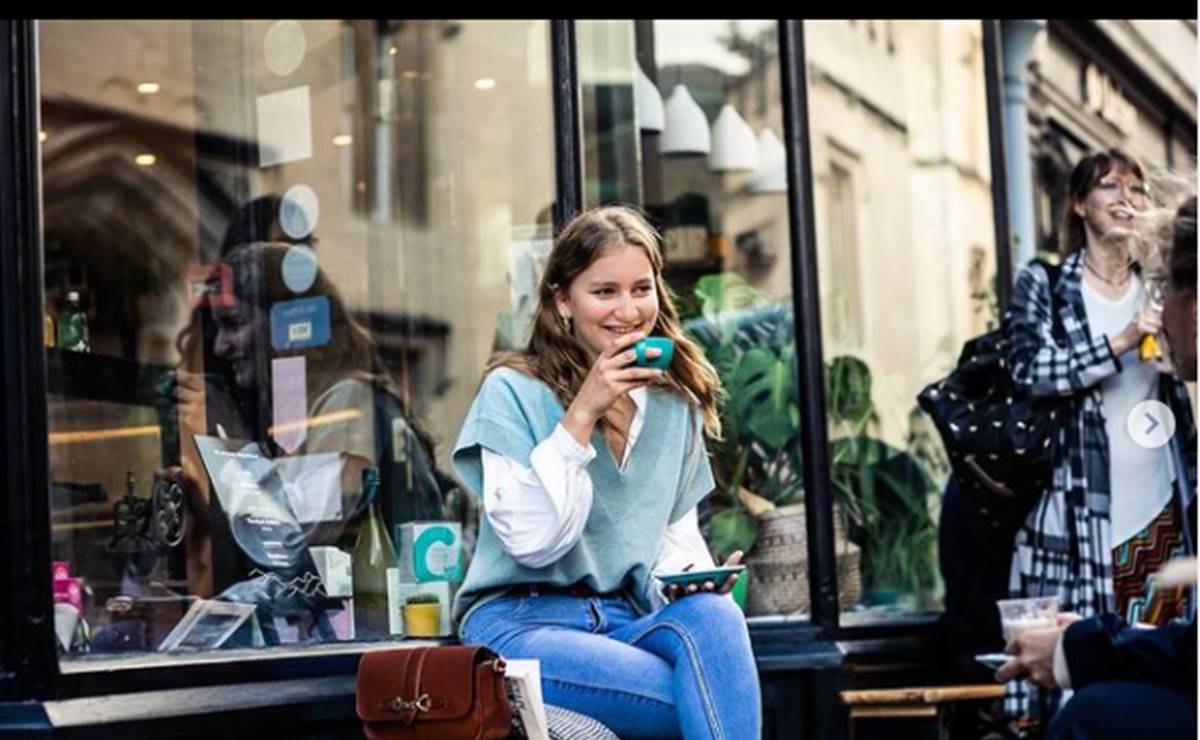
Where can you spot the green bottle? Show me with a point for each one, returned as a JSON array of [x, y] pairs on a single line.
[[373, 555], [72, 326]]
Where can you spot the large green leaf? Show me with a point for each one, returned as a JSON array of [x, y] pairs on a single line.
[[761, 391], [883, 490], [848, 390], [722, 296], [731, 529]]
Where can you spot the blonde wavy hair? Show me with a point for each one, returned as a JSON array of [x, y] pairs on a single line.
[[555, 356]]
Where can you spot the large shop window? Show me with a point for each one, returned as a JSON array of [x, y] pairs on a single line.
[[903, 204], [685, 120], [275, 252]]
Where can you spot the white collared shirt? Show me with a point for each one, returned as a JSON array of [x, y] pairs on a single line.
[[539, 512]]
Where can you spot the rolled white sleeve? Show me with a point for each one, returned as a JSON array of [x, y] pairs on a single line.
[[539, 512], [683, 545]]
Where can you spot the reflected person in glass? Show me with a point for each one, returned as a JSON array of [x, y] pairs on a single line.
[[347, 414], [590, 469]]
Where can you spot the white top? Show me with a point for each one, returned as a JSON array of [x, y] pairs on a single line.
[[539, 512], [1062, 671], [1140, 478]]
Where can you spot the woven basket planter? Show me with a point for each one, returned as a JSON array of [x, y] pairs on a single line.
[[778, 565]]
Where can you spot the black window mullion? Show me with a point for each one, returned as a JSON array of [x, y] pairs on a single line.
[[567, 148], [27, 633], [822, 572], [993, 83]]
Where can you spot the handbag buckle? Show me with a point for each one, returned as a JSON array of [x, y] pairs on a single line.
[[421, 704]]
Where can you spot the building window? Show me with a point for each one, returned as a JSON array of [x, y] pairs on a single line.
[[841, 278]]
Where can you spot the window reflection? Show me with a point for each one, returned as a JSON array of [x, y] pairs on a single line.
[[685, 119], [902, 195], [266, 224]]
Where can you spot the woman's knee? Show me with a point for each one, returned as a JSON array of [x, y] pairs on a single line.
[[711, 612]]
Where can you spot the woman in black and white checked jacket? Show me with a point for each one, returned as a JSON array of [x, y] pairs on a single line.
[[1113, 507]]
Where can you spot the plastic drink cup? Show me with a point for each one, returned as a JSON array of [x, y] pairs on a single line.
[[1018, 616]]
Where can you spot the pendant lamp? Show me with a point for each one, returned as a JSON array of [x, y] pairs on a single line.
[[733, 144], [649, 103], [685, 129], [772, 160]]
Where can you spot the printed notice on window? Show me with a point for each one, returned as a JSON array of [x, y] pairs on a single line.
[[284, 126]]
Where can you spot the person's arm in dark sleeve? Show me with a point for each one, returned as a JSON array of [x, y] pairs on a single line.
[[1104, 648]]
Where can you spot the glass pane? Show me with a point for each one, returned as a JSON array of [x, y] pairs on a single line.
[[903, 205], [255, 234], [685, 119]]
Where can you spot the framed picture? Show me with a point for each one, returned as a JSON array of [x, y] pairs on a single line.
[[206, 625]]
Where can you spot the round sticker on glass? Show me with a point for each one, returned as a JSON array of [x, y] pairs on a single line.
[[298, 211], [284, 47], [299, 268]]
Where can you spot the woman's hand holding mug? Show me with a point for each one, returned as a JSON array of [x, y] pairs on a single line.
[[612, 376]]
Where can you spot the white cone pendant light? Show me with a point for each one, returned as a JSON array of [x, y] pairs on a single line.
[[772, 159], [685, 129], [733, 144], [649, 103]]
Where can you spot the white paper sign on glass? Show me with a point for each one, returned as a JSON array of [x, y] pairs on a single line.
[[289, 401], [284, 126]]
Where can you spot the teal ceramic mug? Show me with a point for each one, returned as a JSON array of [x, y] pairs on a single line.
[[666, 345]]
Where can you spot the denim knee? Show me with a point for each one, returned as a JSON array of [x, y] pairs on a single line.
[[709, 612]]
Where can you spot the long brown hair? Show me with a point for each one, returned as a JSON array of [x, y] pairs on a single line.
[[556, 357], [1087, 174]]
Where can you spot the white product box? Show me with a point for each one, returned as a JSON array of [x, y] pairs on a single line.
[[430, 551]]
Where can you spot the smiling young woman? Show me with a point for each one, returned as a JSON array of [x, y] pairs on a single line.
[[590, 468], [1109, 516]]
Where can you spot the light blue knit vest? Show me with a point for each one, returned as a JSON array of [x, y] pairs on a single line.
[[666, 475]]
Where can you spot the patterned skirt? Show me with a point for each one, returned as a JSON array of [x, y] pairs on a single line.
[[1090, 576], [1138, 558]]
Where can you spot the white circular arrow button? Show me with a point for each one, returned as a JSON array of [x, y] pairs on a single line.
[[1151, 424]]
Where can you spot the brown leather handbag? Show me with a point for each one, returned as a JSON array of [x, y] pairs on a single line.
[[452, 692]]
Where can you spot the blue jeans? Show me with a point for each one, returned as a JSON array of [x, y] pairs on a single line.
[[686, 669]]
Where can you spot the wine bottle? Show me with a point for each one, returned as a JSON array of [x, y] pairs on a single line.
[[72, 326], [373, 555]]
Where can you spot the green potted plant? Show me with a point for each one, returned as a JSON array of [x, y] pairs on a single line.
[[880, 491], [757, 462], [758, 507], [422, 615]]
